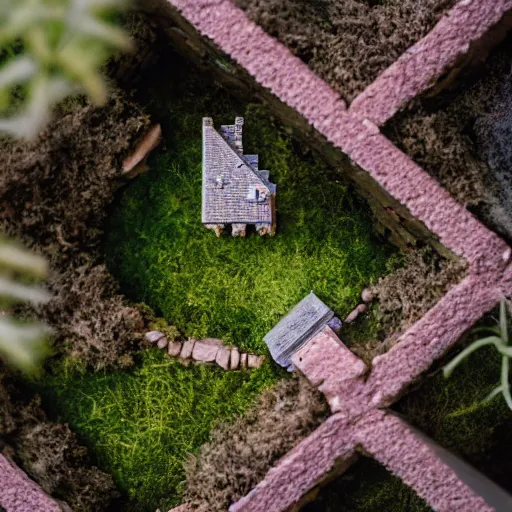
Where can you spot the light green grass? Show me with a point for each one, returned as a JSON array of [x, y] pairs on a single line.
[[142, 425]]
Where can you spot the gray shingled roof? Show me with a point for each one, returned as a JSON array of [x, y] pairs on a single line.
[[229, 177], [305, 320]]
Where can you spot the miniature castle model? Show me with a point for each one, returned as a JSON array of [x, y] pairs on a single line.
[[235, 191], [300, 325]]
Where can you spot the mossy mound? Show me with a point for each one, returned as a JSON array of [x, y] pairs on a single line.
[[143, 424], [461, 138], [238, 288], [239, 455]]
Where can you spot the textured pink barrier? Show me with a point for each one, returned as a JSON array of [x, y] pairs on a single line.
[[355, 132], [397, 447], [302, 468], [426, 61], [20, 494]]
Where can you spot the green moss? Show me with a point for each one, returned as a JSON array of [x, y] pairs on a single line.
[[367, 487], [235, 288], [142, 425]]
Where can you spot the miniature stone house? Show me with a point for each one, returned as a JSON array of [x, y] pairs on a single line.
[[309, 317], [235, 191]]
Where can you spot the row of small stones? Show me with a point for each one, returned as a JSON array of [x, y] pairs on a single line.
[[366, 296], [208, 350]]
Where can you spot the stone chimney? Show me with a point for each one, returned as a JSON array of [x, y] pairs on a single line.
[[239, 123]]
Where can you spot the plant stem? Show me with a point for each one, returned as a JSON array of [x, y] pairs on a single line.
[[491, 340]]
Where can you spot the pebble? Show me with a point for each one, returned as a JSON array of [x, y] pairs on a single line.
[[154, 336], [205, 351], [355, 313], [255, 361], [174, 348], [367, 295], [235, 359], [162, 342], [222, 357], [188, 347]]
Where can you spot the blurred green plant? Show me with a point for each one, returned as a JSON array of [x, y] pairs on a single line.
[[500, 339], [22, 345], [52, 49]]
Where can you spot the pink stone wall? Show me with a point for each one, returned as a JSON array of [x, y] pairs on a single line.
[[20, 494], [427, 60]]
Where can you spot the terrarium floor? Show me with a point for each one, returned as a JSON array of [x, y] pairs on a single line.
[[142, 424]]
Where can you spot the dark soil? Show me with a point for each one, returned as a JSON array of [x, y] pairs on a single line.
[[462, 138], [347, 42]]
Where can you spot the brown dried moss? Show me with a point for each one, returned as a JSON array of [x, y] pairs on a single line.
[[54, 193], [437, 143], [347, 42], [239, 455], [408, 293], [49, 452], [55, 190], [461, 139]]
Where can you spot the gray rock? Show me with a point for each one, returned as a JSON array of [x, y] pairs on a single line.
[[205, 351], [235, 359], [222, 357], [174, 348], [153, 336], [254, 361], [355, 313], [243, 360]]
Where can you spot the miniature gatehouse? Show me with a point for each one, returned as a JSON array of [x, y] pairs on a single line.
[[300, 325], [235, 191]]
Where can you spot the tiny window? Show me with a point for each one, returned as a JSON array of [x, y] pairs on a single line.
[[253, 194]]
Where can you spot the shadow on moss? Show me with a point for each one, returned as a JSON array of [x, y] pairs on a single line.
[[367, 487], [453, 412]]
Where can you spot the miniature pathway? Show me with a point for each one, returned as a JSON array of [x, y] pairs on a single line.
[[205, 351], [358, 396]]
